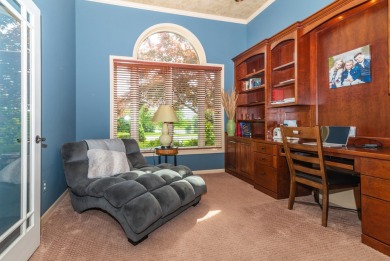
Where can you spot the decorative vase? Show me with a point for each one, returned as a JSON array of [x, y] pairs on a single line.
[[231, 128]]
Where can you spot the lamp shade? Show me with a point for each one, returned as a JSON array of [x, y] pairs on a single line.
[[165, 113]]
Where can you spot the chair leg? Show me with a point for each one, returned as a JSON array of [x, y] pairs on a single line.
[[291, 199], [325, 207], [358, 200]]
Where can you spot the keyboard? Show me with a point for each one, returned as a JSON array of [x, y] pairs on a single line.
[[325, 144]]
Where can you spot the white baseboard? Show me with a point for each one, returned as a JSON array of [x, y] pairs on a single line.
[[48, 212], [208, 171]]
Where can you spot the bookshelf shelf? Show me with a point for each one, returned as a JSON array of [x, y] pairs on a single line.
[[284, 83], [253, 75], [251, 72], [253, 89], [284, 66], [256, 103]]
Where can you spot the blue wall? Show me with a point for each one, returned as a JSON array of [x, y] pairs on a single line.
[[58, 91], [77, 39], [279, 15], [104, 30]]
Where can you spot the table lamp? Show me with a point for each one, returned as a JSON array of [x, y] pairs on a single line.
[[165, 114]]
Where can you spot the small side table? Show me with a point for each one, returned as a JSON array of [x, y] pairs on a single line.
[[173, 151]]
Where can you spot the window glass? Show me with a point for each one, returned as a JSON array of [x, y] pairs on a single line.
[[168, 47], [193, 91]]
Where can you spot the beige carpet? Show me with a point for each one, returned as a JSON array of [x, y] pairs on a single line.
[[232, 222]]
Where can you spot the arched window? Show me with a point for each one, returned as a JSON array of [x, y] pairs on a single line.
[[169, 67], [171, 41], [167, 47]]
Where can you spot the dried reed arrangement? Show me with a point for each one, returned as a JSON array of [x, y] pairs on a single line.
[[229, 103]]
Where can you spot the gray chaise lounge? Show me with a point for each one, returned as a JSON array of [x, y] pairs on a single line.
[[141, 199]]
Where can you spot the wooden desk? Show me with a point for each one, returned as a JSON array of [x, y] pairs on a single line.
[[373, 165], [167, 152], [374, 168]]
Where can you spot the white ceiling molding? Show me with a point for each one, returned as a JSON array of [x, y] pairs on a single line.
[[261, 9], [184, 12]]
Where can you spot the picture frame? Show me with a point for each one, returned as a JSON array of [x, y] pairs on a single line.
[[350, 68]]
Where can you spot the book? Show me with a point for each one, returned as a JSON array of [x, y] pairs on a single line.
[[254, 83], [277, 95], [245, 85], [246, 129]]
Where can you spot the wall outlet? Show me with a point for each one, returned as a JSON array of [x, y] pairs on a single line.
[[44, 185]]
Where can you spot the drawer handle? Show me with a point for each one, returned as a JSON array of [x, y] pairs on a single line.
[[262, 148], [262, 173], [262, 158]]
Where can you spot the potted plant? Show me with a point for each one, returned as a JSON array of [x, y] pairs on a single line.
[[229, 103]]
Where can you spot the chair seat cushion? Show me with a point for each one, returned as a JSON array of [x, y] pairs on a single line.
[[334, 178]]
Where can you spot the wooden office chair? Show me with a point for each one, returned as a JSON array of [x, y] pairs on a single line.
[[307, 166]]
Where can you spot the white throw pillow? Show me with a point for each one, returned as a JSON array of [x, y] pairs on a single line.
[[106, 163]]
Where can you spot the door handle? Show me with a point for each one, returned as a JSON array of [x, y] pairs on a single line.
[[20, 140], [39, 139]]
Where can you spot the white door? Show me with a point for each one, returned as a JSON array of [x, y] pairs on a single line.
[[20, 129]]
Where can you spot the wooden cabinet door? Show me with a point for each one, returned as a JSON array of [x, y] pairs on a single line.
[[245, 159], [375, 219], [230, 157]]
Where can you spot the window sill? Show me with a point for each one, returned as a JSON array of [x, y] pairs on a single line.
[[149, 153]]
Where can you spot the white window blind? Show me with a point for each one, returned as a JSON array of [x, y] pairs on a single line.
[[139, 87]]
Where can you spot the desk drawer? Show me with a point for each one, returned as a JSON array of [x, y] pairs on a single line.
[[375, 187], [375, 219], [265, 176], [265, 159], [265, 148], [375, 167]]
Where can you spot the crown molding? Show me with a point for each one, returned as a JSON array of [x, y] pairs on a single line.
[[261, 9], [184, 13]]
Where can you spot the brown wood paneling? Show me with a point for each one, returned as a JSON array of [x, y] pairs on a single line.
[[360, 105], [375, 167], [265, 148], [265, 176], [230, 154], [265, 159], [245, 159], [375, 187], [378, 245], [375, 218]]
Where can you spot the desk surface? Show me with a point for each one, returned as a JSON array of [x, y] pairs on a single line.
[[378, 153], [350, 152]]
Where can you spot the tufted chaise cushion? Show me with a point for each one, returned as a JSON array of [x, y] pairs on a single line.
[[139, 199]]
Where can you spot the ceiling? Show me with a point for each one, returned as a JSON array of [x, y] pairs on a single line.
[[228, 10]]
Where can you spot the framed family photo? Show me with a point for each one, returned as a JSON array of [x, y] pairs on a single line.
[[350, 68]]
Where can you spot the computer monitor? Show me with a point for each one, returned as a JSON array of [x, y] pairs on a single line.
[[335, 134]]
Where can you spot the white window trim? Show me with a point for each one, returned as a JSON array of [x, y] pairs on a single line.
[[174, 28], [168, 27], [150, 152]]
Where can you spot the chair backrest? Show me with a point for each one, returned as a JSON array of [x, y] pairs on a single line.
[[301, 157]]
